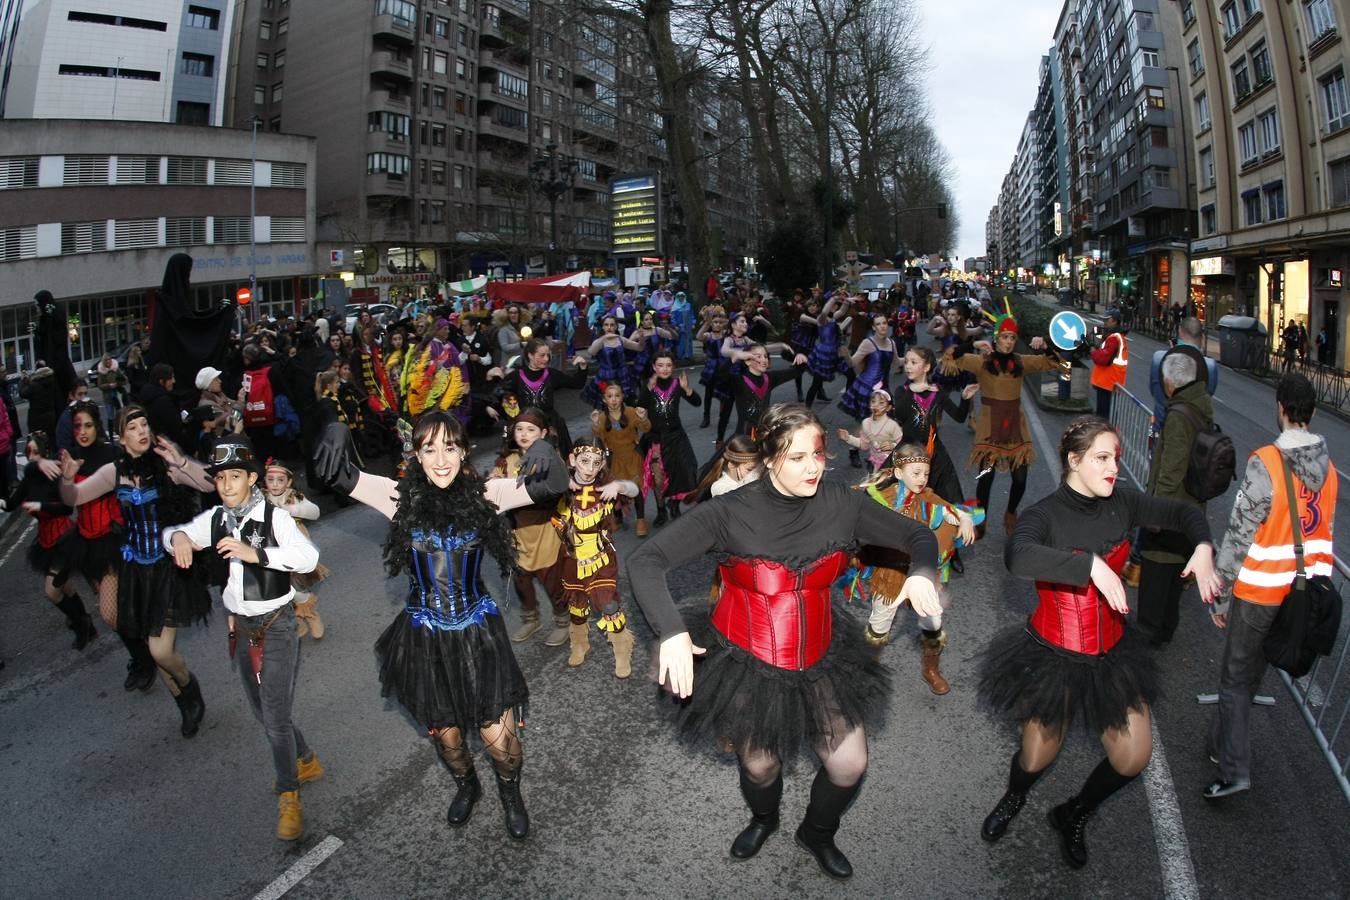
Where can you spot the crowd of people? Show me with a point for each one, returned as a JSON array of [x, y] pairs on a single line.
[[162, 492]]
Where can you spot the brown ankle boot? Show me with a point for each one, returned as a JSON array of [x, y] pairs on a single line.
[[307, 618], [622, 642], [581, 642], [932, 650]]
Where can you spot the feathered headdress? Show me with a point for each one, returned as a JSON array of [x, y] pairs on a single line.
[[1003, 321]]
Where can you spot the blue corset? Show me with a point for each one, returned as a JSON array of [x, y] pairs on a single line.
[[445, 584], [144, 544]]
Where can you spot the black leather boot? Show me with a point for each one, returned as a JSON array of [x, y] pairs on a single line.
[[1070, 820], [78, 621], [1010, 804], [141, 667], [816, 833], [468, 790], [191, 706], [513, 805], [763, 802], [661, 516]]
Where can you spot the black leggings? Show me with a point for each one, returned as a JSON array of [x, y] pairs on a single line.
[[816, 390], [985, 484], [724, 418], [707, 403]]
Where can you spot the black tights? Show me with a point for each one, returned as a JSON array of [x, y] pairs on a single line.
[[985, 484], [724, 418], [816, 390], [707, 403]]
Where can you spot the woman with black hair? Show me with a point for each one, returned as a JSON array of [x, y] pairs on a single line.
[[534, 384], [154, 598], [446, 657], [778, 673], [670, 469], [752, 387]]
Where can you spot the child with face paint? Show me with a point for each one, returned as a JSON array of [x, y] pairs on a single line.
[[590, 578], [620, 428], [904, 488], [279, 490], [877, 434]]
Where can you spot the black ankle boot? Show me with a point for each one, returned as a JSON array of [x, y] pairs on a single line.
[[1070, 820], [513, 805], [958, 567], [141, 667], [78, 621], [816, 833], [674, 510], [468, 790], [191, 706], [661, 516], [763, 802], [1010, 804], [854, 459]]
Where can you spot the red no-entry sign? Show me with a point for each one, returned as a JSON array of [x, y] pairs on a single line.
[[244, 296]]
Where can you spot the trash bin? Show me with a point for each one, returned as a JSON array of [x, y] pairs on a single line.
[[1243, 342]]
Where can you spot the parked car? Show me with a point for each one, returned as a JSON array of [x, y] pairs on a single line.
[[383, 313], [1022, 287]]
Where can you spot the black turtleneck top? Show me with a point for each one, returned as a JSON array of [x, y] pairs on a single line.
[[757, 522]]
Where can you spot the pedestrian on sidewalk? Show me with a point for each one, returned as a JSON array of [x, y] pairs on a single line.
[[1110, 363], [1190, 341], [255, 548], [1257, 562]]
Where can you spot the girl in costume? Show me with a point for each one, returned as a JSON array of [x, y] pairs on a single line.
[[621, 428], [682, 319], [446, 657], [878, 434], [539, 548], [395, 353], [611, 364], [751, 389], [590, 567], [777, 674], [826, 360], [154, 598], [1075, 659], [670, 469], [435, 376], [873, 361], [654, 336], [903, 487], [1002, 439], [534, 384], [279, 489], [803, 329], [919, 408], [39, 496], [731, 365], [711, 334]]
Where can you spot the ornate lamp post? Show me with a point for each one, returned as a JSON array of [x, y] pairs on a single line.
[[553, 174]]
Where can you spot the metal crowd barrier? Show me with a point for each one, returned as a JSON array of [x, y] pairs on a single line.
[[1323, 695]]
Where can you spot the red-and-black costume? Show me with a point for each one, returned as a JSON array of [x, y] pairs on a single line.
[[49, 553], [99, 523]]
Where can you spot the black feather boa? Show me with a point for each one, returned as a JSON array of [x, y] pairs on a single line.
[[177, 504], [461, 507]]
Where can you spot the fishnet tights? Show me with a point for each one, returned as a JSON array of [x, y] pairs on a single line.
[[501, 738]]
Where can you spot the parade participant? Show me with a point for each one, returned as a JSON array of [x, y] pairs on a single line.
[[772, 682], [621, 428], [259, 549], [539, 548], [611, 364], [1110, 362], [827, 359], [368, 369], [730, 367], [670, 469], [279, 490], [877, 435], [655, 335], [737, 466], [212, 394], [435, 375], [154, 599], [534, 384], [752, 388], [395, 352], [919, 406], [904, 488], [446, 657], [1076, 660], [682, 318], [590, 565], [1002, 439], [39, 496], [711, 334], [872, 362], [507, 325], [564, 315]]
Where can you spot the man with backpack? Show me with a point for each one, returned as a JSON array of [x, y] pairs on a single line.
[[1258, 561], [1175, 474], [1190, 340]]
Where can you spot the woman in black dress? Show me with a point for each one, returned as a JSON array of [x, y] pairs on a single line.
[[670, 469], [534, 384]]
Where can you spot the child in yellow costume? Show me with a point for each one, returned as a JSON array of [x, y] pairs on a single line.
[[590, 566]]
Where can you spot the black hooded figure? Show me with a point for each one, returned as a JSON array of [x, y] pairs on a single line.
[[52, 340], [180, 334]]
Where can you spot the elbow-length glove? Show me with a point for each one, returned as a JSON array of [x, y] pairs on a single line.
[[335, 458], [542, 472]]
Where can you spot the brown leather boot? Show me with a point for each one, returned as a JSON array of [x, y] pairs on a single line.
[[581, 642], [932, 650], [641, 527], [622, 642], [307, 618], [558, 635]]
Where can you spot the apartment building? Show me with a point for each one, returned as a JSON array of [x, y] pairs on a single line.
[[1267, 84]]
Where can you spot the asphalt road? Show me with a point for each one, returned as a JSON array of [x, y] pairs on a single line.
[[101, 796]]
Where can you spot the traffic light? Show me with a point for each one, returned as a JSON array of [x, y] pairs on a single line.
[[1125, 283]]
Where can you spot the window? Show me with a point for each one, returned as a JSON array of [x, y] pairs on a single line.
[[1209, 221], [1247, 143], [122, 21], [1261, 64], [1149, 58], [84, 237], [1157, 98], [1250, 8], [85, 170], [437, 212], [184, 231], [462, 35], [130, 170], [461, 70], [1187, 13], [233, 171], [461, 144], [259, 95], [1232, 21], [438, 96], [395, 125], [461, 104], [288, 174], [1206, 156], [263, 62], [438, 173], [193, 113], [288, 229], [198, 64], [131, 233], [438, 135], [186, 170], [512, 85], [1251, 207], [1242, 82], [401, 10], [276, 92], [443, 28], [1202, 120], [1195, 58], [1338, 181], [108, 72], [264, 31], [1274, 196], [1143, 21], [283, 26], [1157, 137], [274, 124], [1334, 101], [1161, 178], [441, 62], [391, 164], [201, 17], [232, 230], [1268, 123], [1321, 20], [279, 60], [458, 175]]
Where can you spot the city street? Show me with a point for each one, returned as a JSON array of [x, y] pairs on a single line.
[[102, 797]]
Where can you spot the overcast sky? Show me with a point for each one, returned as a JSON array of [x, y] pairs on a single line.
[[984, 57]]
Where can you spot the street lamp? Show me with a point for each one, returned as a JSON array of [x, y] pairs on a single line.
[[553, 173]]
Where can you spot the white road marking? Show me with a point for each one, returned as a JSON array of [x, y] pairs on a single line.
[[1169, 832], [301, 867], [18, 541]]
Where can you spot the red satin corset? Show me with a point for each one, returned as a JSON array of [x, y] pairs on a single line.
[[51, 529], [97, 517], [779, 614], [1078, 618]]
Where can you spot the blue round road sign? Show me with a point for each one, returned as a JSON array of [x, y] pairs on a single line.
[[1067, 328]]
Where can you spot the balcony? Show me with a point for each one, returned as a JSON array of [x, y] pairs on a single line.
[[518, 8], [494, 33], [504, 163], [489, 92], [490, 127], [379, 184], [394, 28], [493, 196], [384, 142], [382, 99], [506, 60], [384, 62]]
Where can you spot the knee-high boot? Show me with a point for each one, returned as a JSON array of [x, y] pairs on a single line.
[[191, 706], [141, 667], [1070, 818], [816, 833], [763, 801], [1010, 804], [513, 805], [78, 620], [579, 633], [622, 642], [933, 642]]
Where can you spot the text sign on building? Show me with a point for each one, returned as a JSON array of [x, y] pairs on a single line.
[[635, 215]]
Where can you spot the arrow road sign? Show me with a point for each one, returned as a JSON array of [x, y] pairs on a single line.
[[1067, 328]]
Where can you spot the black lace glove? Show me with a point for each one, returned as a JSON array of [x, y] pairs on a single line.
[[335, 458], [542, 472]]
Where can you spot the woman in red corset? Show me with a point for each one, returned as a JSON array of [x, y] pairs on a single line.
[[1075, 659], [778, 673]]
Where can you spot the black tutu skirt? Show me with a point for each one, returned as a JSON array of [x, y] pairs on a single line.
[[752, 704], [444, 678], [94, 557], [1023, 676], [158, 595], [53, 560]]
